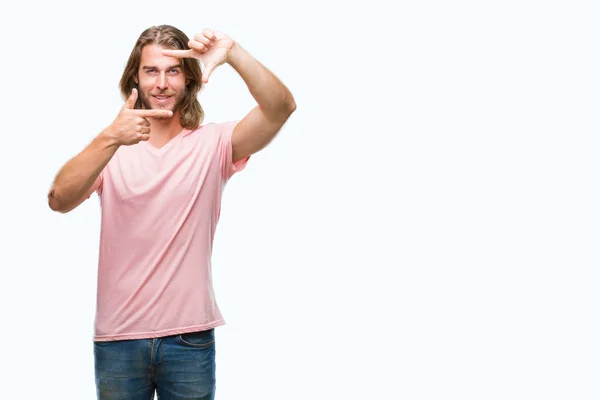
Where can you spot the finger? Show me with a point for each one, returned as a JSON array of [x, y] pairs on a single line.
[[143, 136], [202, 39], [145, 122], [206, 73], [130, 103], [154, 113], [210, 34], [142, 129], [200, 47], [178, 53]]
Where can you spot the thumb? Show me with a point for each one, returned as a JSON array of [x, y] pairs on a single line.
[[130, 103], [207, 71]]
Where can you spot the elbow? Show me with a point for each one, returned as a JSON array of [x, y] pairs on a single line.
[[291, 105], [286, 104], [55, 207], [55, 204], [281, 112], [287, 108]]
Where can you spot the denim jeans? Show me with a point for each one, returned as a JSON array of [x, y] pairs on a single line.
[[176, 367]]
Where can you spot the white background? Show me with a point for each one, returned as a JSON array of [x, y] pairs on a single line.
[[425, 226]]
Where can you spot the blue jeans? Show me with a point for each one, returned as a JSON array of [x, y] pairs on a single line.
[[176, 367]]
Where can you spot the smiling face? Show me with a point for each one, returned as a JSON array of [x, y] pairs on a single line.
[[160, 79], [175, 92]]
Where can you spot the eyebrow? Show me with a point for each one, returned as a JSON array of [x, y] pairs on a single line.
[[153, 67]]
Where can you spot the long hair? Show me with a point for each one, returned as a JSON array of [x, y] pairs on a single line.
[[191, 113]]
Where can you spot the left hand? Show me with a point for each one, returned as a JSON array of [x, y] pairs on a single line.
[[210, 47]]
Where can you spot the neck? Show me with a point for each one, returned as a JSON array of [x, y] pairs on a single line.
[[163, 130]]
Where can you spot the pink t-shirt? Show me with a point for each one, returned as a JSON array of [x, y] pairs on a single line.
[[160, 209]]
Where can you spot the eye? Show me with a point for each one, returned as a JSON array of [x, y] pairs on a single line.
[[173, 71], [151, 71]]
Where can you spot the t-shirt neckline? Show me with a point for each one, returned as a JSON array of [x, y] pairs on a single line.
[[166, 146]]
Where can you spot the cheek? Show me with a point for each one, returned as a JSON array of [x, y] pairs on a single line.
[[177, 83], [146, 84]]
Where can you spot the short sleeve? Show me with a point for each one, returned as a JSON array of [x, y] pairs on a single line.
[[229, 168], [96, 187], [100, 185]]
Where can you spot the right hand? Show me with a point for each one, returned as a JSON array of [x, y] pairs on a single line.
[[132, 126]]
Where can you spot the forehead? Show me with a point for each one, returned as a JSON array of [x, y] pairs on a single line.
[[152, 56]]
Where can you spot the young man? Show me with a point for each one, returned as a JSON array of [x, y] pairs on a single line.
[[160, 173]]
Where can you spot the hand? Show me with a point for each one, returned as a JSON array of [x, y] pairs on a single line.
[[211, 47], [132, 126]]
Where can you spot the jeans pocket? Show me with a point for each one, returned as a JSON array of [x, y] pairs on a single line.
[[198, 340]]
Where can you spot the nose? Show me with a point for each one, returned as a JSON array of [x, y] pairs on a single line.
[[161, 82]]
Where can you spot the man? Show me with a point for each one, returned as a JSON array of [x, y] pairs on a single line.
[[160, 173]]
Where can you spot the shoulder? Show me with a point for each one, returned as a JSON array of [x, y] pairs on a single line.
[[213, 131]]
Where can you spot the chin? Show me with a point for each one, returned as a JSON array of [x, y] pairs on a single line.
[[163, 107]]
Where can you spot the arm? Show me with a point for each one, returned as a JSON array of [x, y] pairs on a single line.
[[275, 105], [80, 177], [275, 102]]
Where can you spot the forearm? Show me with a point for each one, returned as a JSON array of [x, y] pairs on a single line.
[[269, 92], [77, 176]]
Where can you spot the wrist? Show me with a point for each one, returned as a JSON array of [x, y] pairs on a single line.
[[234, 55], [109, 137]]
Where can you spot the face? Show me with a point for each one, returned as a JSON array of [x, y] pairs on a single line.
[[160, 79]]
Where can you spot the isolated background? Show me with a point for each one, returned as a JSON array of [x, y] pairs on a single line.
[[426, 225]]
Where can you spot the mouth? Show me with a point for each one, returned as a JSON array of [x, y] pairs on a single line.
[[162, 98]]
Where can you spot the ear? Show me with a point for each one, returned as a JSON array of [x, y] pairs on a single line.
[[135, 79]]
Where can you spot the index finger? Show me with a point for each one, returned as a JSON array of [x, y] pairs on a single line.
[[178, 53], [153, 113]]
